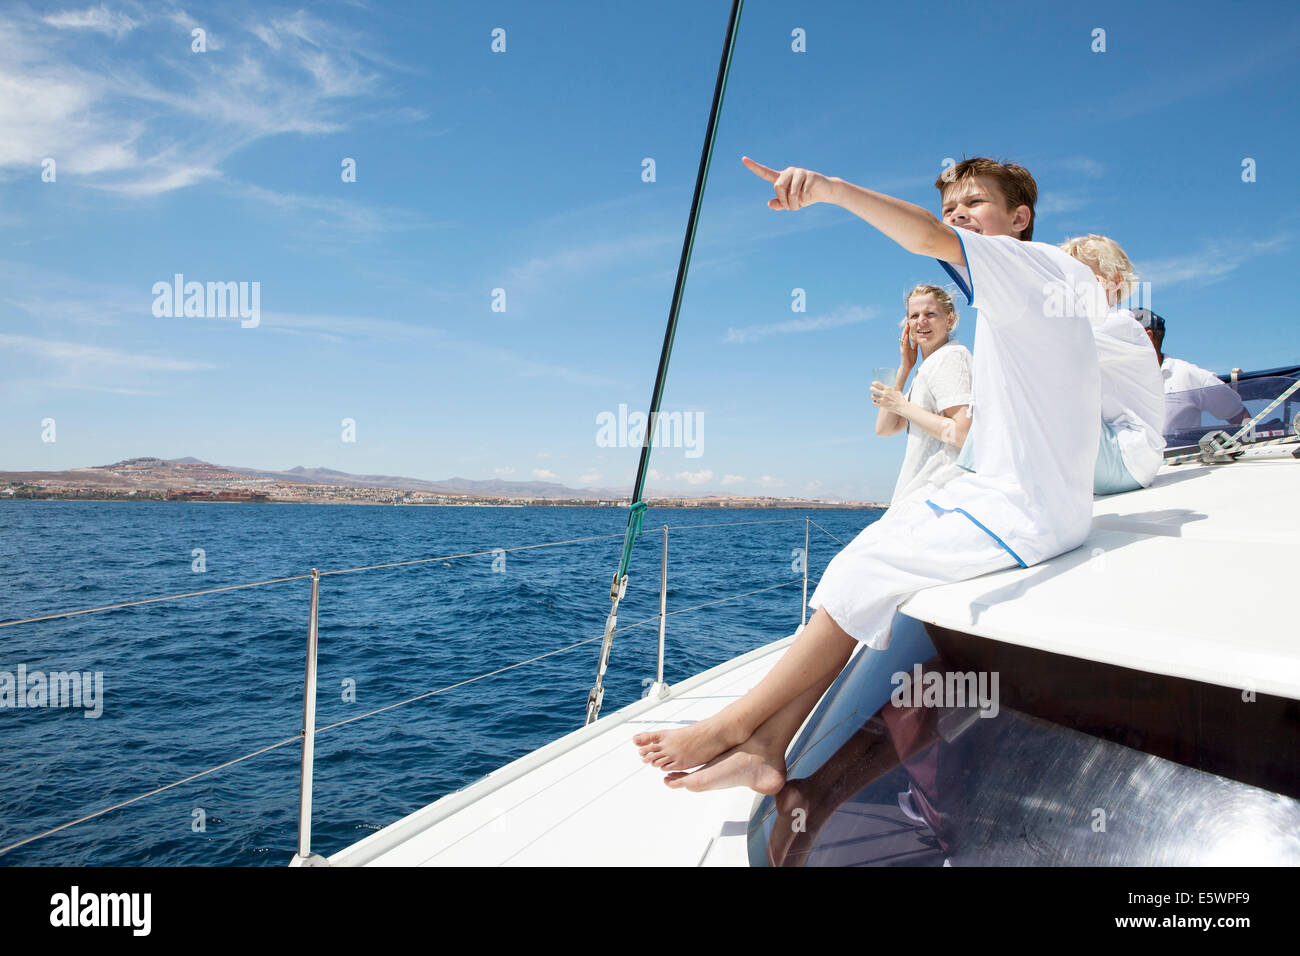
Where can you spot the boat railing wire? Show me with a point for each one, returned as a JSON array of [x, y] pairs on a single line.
[[298, 737]]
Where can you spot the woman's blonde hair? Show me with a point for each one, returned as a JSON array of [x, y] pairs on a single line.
[[1110, 259], [940, 295]]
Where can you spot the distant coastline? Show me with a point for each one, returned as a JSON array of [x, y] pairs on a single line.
[[194, 481], [738, 503]]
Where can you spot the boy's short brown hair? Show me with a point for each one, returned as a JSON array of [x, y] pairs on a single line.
[[1012, 180]]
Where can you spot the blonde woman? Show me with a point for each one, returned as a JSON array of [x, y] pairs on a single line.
[[936, 409]]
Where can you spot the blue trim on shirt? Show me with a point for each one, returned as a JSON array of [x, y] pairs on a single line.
[[974, 521], [967, 290]]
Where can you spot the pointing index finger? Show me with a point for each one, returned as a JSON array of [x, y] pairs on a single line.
[[758, 169]]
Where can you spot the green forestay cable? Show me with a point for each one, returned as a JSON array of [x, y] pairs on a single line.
[[637, 511]]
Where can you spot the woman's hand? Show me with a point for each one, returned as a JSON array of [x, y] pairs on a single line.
[[906, 350], [887, 397], [795, 187]]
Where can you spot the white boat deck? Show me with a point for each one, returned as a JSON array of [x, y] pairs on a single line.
[[1190, 577], [587, 799]]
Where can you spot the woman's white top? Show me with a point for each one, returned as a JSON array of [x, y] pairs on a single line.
[[1132, 393], [941, 381]]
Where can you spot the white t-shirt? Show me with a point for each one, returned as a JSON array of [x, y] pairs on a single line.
[[1036, 396], [941, 381], [1189, 389], [1132, 393]]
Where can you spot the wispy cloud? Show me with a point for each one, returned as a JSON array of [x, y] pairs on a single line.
[[342, 219], [576, 259], [100, 19], [1213, 262], [79, 353], [353, 327], [338, 328], [850, 315], [65, 97], [1082, 166], [1220, 69], [49, 295], [77, 365], [1056, 203], [690, 477], [187, 23]]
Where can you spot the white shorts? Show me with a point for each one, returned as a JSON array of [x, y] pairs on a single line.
[[911, 547]]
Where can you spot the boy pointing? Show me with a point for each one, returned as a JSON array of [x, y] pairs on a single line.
[[1035, 384]]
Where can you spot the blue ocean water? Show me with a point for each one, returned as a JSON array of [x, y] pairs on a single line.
[[193, 683]]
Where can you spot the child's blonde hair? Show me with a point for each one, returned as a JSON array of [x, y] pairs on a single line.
[[940, 295], [1109, 258]]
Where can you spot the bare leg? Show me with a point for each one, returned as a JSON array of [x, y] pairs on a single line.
[[759, 762], [815, 658]]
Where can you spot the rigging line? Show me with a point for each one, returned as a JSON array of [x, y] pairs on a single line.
[[679, 287], [298, 736], [638, 507], [118, 806], [561, 650], [153, 600], [732, 598], [301, 577], [546, 544], [724, 68], [471, 680], [289, 740], [723, 524], [820, 528], [469, 554], [1272, 405], [372, 567]]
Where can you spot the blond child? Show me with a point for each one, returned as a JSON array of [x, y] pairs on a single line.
[[1132, 388]]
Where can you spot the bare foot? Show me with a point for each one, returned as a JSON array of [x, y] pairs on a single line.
[[687, 747], [759, 765]]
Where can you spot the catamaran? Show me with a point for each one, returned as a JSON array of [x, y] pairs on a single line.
[[1147, 711], [1135, 701]]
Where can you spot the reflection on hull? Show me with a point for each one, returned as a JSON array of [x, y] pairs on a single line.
[[875, 783]]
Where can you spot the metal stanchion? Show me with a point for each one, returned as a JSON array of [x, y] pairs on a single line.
[[659, 689], [304, 856]]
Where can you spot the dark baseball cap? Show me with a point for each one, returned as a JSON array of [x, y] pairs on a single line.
[[1149, 319]]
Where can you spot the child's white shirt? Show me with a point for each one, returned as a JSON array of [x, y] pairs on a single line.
[[1132, 393], [1036, 396]]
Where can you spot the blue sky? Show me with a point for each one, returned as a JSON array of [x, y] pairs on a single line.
[[522, 170]]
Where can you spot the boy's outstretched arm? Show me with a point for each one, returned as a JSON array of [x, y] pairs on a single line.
[[915, 229]]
